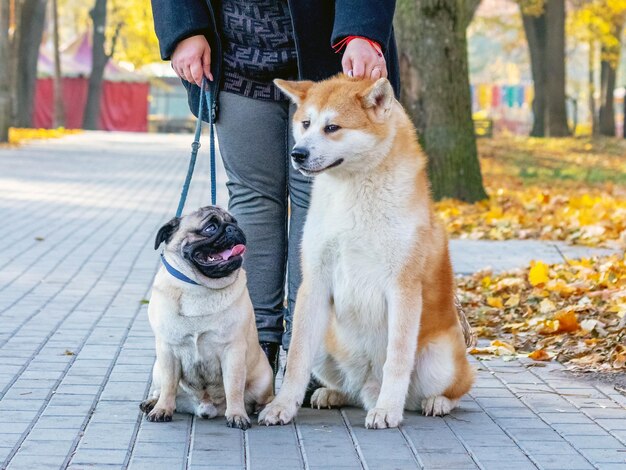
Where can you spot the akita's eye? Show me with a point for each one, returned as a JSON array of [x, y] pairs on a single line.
[[329, 129], [306, 124]]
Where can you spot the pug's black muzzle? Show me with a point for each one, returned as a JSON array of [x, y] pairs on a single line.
[[218, 255]]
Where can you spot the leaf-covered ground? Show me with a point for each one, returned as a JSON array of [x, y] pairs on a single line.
[[21, 135], [555, 189], [574, 312]]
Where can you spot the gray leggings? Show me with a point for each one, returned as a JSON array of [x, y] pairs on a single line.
[[269, 199]]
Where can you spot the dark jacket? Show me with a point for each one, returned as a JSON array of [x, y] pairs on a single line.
[[317, 24]]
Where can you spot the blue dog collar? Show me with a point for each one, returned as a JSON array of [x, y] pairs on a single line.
[[176, 273]]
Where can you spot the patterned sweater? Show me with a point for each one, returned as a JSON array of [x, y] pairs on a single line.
[[258, 46]]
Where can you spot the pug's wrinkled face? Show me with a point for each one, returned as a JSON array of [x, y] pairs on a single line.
[[208, 239]]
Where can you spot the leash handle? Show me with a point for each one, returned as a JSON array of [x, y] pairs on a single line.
[[205, 98]]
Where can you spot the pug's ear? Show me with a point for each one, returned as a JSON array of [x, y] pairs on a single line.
[[296, 91], [166, 232]]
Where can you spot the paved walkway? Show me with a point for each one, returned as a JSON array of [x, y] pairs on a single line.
[[79, 217]]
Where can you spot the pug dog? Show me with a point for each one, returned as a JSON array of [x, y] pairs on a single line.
[[209, 362]]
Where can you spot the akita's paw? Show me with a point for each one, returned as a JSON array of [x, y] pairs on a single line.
[[237, 420], [147, 405], [160, 415], [437, 406], [326, 398], [381, 418], [278, 412]]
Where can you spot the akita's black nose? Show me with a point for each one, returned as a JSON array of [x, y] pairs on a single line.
[[299, 154]]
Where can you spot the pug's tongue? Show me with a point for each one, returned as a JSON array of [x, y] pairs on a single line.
[[234, 251]]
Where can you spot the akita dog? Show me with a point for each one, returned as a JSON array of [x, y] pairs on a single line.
[[375, 316]]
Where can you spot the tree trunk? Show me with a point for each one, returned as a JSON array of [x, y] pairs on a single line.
[[556, 114], [99, 60], [5, 77], [624, 120], [545, 34], [535, 29], [607, 89], [592, 88], [31, 23], [436, 92], [58, 119], [610, 56]]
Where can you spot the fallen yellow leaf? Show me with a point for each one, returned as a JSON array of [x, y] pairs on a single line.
[[546, 306], [568, 322], [512, 301], [538, 273], [495, 302], [547, 327], [501, 344], [540, 355]]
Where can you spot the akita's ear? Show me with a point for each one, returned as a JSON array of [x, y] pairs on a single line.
[[379, 99], [296, 91], [166, 232]]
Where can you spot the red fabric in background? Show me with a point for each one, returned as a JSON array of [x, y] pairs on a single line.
[[124, 104]]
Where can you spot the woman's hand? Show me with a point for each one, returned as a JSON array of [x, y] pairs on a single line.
[[191, 59], [362, 59]]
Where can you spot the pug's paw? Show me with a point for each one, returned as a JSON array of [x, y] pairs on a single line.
[[237, 420], [147, 405], [160, 415], [381, 418], [278, 412]]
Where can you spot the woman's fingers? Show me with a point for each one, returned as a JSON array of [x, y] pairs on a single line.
[[206, 63], [346, 64], [358, 67], [362, 59], [186, 73], [197, 72], [191, 59], [379, 70]]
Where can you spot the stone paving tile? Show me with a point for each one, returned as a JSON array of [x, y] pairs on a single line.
[[76, 348]]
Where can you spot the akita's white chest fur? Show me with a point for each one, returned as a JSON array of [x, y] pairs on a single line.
[[359, 238]]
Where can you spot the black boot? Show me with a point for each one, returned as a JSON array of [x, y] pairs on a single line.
[[271, 350]]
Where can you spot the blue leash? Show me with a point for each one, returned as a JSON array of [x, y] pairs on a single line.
[[205, 99]]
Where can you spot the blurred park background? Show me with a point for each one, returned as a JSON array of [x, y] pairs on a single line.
[[94, 64], [544, 68], [519, 105]]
